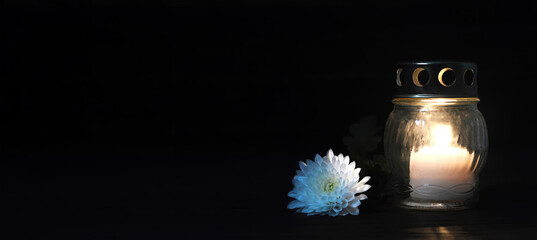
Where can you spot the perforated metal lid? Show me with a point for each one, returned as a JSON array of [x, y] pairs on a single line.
[[436, 79]]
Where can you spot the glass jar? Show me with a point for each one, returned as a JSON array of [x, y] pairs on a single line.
[[436, 138]]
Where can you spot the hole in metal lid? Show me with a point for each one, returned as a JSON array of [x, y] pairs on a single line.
[[446, 77], [469, 77], [420, 77], [398, 79]]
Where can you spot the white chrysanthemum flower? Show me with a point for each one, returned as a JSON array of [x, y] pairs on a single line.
[[328, 186]]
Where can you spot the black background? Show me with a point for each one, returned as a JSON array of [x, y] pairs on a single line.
[[130, 118]]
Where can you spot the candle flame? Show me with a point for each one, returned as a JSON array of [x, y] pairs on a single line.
[[442, 136]]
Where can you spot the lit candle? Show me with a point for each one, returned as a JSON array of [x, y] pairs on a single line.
[[443, 169]]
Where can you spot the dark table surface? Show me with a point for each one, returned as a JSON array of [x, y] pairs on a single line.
[[165, 196], [496, 217]]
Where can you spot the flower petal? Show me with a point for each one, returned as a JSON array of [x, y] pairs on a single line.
[[332, 213], [309, 163], [295, 204], [356, 174], [353, 211], [355, 203], [337, 208], [301, 179], [348, 196], [352, 165], [330, 154], [328, 161], [307, 209], [362, 197], [302, 165], [346, 160], [362, 188], [335, 161], [318, 159], [365, 179], [344, 204], [293, 194]]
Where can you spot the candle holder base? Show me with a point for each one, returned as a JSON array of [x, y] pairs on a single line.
[[437, 205]]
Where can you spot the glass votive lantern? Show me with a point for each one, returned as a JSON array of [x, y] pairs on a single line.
[[435, 138]]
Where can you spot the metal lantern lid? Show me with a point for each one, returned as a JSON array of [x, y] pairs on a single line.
[[436, 79]]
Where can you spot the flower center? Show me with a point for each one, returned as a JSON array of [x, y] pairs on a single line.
[[329, 186]]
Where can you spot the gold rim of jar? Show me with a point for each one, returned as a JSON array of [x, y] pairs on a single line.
[[442, 101]]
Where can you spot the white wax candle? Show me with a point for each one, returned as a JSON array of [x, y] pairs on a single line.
[[442, 170]]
